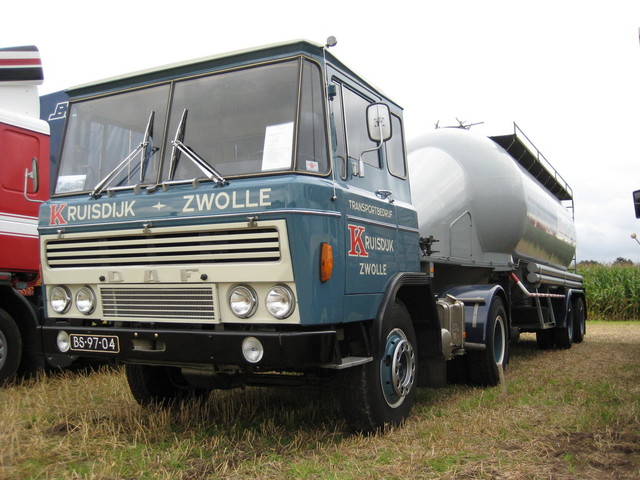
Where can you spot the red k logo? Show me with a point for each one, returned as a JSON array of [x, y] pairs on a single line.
[[357, 245], [56, 217]]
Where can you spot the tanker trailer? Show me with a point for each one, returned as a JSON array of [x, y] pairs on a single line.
[[494, 211]]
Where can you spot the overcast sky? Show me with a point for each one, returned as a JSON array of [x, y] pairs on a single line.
[[568, 72]]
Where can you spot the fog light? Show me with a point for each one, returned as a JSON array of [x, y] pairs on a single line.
[[86, 300], [252, 349], [280, 301], [63, 341], [60, 299], [243, 301]]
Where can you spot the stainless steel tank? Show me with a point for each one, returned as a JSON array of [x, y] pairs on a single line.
[[482, 206]]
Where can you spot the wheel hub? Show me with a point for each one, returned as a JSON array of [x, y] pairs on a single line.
[[397, 368]]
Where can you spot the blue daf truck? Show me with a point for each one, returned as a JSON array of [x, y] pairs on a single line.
[[247, 219]]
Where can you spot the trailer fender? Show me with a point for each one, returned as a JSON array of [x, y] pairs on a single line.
[[570, 316], [477, 301], [562, 308]]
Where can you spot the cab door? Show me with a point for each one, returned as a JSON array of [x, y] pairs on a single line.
[[369, 213], [22, 150]]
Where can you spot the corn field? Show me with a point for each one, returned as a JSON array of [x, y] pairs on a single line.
[[613, 292]]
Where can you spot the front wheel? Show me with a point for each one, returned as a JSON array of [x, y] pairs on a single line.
[[484, 365], [380, 394], [160, 386]]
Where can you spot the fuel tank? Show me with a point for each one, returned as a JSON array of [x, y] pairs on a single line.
[[482, 206]]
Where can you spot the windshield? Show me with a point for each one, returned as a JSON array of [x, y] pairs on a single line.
[[242, 122]]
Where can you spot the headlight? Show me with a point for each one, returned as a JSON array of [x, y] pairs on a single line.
[[243, 301], [63, 341], [280, 301], [60, 299], [86, 300]]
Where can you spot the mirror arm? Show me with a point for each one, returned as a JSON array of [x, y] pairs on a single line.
[[361, 160]]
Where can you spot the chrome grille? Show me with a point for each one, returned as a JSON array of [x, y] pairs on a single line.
[[166, 304], [248, 245]]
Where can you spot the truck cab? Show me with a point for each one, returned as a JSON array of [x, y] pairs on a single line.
[[233, 220]]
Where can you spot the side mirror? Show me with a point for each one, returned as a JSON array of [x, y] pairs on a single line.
[[379, 122], [33, 175], [636, 202]]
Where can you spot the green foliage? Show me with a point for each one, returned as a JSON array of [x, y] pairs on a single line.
[[613, 292]]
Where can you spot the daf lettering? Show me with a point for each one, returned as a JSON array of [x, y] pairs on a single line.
[[185, 273], [115, 276], [151, 276]]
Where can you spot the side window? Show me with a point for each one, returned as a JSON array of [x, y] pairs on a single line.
[[312, 138], [338, 143], [395, 149], [355, 112]]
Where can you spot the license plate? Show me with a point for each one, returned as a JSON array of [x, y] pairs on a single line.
[[94, 343]]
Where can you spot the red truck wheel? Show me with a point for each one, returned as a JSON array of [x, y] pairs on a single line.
[[10, 347]]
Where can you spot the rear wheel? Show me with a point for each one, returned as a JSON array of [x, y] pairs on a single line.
[[564, 335], [546, 339], [160, 386], [10, 347], [578, 316], [381, 393], [484, 365]]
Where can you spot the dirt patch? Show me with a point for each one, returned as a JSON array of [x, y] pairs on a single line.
[[598, 455]]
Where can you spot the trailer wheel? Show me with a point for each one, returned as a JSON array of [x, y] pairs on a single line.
[[546, 339], [10, 347], [380, 394], [564, 335], [484, 365], [160, 386], [579, 320]]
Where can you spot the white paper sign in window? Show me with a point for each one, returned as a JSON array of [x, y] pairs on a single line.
[[70, 183], [278, 146]]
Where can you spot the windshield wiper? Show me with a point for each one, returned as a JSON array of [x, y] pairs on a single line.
[[179, 147], [148, 147], [146, 155]]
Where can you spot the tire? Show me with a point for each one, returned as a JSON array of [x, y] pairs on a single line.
[[484, 365], [546, 339], [563, 336], [160, 386], [10, 348], [380, 394], [578, 316]]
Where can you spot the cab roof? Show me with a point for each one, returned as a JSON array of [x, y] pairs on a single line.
[[212, 63]]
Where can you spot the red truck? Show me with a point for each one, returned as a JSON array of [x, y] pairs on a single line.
[[24, 185]]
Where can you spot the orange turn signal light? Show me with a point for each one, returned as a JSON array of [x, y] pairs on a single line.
[[326, 262]]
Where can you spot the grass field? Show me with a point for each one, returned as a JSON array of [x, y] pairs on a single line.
[[567, 414]]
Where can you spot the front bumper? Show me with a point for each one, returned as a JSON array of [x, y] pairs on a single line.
[[282, 350]]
